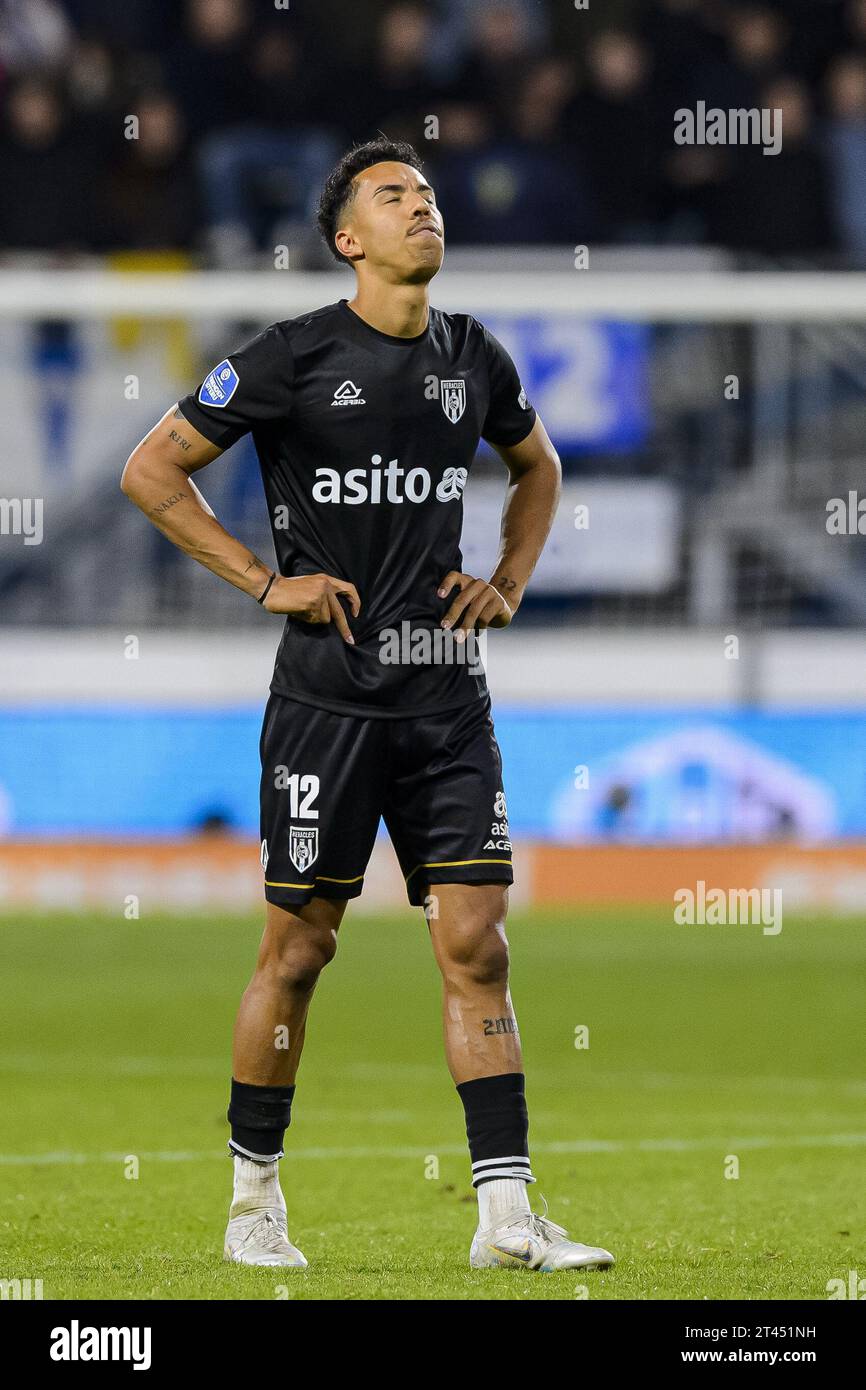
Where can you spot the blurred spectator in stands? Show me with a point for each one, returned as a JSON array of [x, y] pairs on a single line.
[[286, 81], [767, 38], [855, 24], [266, 98], [778, 205], [97, 98], [814, 34], [261, 175], [758, 39], [45, 173], [465, 126], [613, 126], [572, 30], [690, 64], [451, 34], [149, 201], [846, 148], [501, 46], [683, 51], [134, 25], [34, 34], [90, 75], [205, 70], [722, 55], [395, 91], [545, 91], [520, 186]]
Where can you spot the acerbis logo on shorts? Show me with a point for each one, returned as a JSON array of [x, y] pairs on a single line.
[[389, 484]]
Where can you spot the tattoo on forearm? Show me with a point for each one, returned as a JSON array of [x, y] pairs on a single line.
[[255, 564], [170, 501], [494, 1026], [506, 585], [179, 439]]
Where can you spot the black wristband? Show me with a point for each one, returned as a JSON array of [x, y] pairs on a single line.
[[267, 588]]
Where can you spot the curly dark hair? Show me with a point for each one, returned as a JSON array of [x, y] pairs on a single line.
[[338, 191]]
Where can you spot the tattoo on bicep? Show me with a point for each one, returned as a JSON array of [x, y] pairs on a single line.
[[179, 439], [171, 501], [494, 1026]]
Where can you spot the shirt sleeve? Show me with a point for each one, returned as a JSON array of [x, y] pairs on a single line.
[[509, 417], [250, 387]]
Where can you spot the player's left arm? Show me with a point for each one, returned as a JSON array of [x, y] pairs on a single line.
[[530, 506]]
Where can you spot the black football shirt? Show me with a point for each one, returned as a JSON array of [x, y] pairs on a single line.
[[365, 443]]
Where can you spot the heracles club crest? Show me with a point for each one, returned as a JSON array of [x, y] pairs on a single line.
[[453, 397], [303, 847]]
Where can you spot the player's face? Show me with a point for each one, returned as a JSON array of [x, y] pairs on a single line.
[[393, 223]]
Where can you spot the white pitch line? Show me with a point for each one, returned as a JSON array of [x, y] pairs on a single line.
[[574, 1146], [11, 1062]]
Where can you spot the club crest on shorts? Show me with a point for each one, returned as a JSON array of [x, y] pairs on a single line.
[[452, 394], [303, 847]]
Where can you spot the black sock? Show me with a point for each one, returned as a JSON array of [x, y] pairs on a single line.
[[497, 1127], [259, 1117]]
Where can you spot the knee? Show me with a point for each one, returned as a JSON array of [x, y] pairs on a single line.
[[295, 969], [477, 954]]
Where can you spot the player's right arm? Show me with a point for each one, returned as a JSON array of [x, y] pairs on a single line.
[[158, 479]]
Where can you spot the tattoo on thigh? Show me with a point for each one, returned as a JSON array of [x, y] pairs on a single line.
[[494, 1026]]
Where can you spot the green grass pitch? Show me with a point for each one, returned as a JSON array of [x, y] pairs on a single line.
[[704, 1042]]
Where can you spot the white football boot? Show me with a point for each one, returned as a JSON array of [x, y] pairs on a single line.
[[522, 1238], [257, 1233], [261, 1238]]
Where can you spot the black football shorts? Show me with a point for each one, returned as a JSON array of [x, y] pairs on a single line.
[[328, 778]]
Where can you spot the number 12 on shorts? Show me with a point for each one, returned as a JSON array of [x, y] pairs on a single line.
[[303, 789]]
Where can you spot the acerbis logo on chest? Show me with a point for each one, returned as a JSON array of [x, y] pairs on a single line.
[[366, 484], [348, 394]]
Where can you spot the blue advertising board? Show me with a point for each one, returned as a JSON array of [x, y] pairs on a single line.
[[588, 379], [575, 775]]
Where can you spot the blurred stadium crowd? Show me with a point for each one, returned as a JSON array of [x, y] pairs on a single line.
[[555, 124]]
